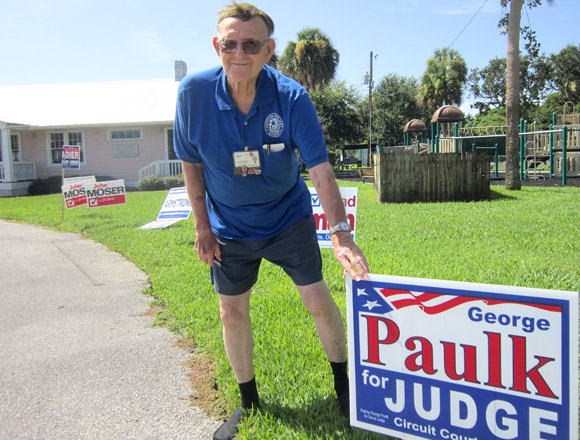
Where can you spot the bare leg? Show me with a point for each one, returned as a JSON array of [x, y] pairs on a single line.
[[319, 302], [239, 345], [237, 334]]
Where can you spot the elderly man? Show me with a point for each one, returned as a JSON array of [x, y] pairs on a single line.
[[237, 129]]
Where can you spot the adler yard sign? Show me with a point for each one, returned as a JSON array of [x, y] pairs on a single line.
[[71, 157], [448, 360], [349, 198], [107, 193]]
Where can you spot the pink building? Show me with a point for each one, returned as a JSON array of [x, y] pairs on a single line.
[[124, 129]]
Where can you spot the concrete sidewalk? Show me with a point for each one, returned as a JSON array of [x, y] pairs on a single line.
[[78, 360]]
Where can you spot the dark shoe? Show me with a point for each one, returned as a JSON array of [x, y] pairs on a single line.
[[230, 428], [344, 402]]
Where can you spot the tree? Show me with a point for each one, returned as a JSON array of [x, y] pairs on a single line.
[[338, 114], [489, 84], [512, 172], [535, 72], [543, 114], [312, 61], [395, 104], [513, 20], [443, 80], [490, 118], [566, 77]]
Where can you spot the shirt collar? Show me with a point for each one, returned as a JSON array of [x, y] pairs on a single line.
[[264, 91]]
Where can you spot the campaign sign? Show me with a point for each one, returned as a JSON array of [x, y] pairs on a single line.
[[74, 195], [71, 157], [349, 198], [176, 207], [74, 192], [447, 360], [111, 192], [79, 179]]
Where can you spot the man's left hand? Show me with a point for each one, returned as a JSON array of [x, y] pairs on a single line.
[[350, 256]]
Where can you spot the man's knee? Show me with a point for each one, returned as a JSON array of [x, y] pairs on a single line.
[[234, 311], [317, 299]]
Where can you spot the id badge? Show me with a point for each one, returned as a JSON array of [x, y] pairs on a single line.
[[247, 162]]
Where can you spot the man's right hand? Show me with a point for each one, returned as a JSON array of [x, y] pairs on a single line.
[[207, 248]]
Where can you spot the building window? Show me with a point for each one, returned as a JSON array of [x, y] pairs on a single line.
[[170, 151], [15, 142], [15, 147], [58, 140], [125, 135]]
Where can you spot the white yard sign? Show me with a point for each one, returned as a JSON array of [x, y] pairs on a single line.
[[433, 359], [350, 200], [176, 207]]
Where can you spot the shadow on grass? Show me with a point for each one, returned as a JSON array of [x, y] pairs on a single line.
[[496, 195], [308, 419]]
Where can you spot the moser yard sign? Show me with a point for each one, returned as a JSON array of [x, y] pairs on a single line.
[[74, 192], [447, 360], [107, 193], [349, 198], [74, 195]]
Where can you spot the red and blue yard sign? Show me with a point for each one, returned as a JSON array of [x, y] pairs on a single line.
[[447, 360], [349, 198], [71, 157]]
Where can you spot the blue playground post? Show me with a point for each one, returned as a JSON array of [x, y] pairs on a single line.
[[564, 164], [496, 159], [521, 150]]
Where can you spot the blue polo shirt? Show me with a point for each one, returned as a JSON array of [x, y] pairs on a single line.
[[209, 129]]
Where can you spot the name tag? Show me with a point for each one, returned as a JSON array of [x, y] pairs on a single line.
[[247, 162]]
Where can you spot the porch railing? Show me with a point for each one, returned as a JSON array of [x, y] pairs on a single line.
[[22, 171], [162, 168]]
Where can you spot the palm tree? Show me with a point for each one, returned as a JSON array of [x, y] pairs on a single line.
[[311, 61], [512, 147], [443, 80], [512, 172]]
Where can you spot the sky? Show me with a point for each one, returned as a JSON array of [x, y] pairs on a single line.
[[63, 41]]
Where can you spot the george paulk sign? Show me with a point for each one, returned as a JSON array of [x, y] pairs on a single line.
[[446, 360]]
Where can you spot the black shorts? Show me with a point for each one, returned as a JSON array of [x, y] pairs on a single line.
[[295, 250]]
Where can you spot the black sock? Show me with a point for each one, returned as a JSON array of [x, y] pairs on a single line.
[[339, 369], [249, 393]]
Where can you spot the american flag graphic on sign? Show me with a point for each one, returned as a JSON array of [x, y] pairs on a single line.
[[431, 303]]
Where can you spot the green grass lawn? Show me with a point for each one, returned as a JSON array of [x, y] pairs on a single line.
[[526, 238]]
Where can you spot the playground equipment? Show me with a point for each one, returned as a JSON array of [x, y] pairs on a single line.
[[543, 153], [416, 127]]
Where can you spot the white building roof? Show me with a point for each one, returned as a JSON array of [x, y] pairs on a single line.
[[96, 103]]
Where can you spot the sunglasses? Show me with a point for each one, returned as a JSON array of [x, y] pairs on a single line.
[[250, 47]]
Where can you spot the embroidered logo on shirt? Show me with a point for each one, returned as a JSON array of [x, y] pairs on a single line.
[[274, 125]]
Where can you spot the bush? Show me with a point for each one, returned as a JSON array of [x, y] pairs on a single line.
[[50, 185], [156, 183], [150, 183], [174, 181]]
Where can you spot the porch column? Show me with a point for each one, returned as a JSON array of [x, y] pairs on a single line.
[[7, 154]]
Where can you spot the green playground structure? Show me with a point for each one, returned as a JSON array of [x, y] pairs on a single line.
[[543, 153]]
